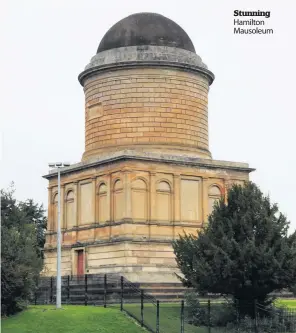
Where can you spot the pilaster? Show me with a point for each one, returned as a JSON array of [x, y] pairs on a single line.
[[176, 198], [152, 210], [63, 222], [94, 198], [109, 191], [76, 199], [127, 191], [50, 210], [227, 185], [205, 199]]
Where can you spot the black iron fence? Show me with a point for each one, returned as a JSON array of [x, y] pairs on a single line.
[[89, 289], [201, 316]]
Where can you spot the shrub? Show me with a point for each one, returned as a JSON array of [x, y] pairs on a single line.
[[197, 314], [222, 314]]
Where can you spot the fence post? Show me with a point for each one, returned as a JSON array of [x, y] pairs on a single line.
[[68, 289], [51, 291], [182, 316], [105, 290], [121, 296], [255, 317], [157, 317], [142, 307], [85, 287], [35, 297], [209, 315]]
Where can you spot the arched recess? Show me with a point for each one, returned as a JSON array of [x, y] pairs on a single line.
[[214, 195], [102, 198], [139, 199], [163, 201], [70, 210], [118, 200], [54, 212]]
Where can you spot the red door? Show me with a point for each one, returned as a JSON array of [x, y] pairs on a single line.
[[80, 262]]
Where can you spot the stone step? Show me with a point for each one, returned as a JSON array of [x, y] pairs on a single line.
[[161, 285]]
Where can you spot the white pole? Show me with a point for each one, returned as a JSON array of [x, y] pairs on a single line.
[[58, 296]]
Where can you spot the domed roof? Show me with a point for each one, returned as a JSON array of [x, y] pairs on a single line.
[[146, 29]]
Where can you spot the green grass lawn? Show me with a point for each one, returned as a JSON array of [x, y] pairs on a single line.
[[70, 319], [289, 303], [169, 314], [90, 319]]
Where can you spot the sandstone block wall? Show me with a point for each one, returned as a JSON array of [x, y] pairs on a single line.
[[159, 108], [124, 215]]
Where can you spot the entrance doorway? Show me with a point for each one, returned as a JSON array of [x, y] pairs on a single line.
[[80, 262]]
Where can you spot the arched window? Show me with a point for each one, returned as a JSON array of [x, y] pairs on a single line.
[[55, 212], [103, 208], [139, 200], [214, 195], [118, 200], [163, 201], [70, 210]]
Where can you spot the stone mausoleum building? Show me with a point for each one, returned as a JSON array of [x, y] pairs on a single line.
[[147, 174]]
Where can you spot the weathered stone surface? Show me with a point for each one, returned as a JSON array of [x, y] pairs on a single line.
[[135, 244], [147, 175]]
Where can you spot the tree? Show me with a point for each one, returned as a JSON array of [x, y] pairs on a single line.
[[21, 260], [244, 252], [35, 216]]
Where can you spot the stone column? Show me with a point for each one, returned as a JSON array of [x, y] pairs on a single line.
[[94, 198], [152, 210], [63, 222], [205, 200], [127, 191], [177, 198], [227, 185], [50, 210], [109, 191], [176, 202], [76, 198], [110, 203], [76, 202]]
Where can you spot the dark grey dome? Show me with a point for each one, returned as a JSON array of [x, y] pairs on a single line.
[[146, 29]]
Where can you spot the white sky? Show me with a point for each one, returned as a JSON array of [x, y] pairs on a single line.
[[46, 44]]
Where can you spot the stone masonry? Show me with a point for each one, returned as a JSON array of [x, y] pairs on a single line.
[[147, 174]]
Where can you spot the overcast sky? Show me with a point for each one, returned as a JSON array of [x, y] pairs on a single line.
[[46, 44]]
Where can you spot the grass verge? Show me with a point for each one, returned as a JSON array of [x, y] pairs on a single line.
[[70, 319]]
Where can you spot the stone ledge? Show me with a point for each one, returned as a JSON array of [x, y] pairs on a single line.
[[111, 242], [145, 56], [194, 224], [145, 53], [129, 154]]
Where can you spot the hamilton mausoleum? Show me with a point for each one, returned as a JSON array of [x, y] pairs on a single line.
[[147, 174]]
